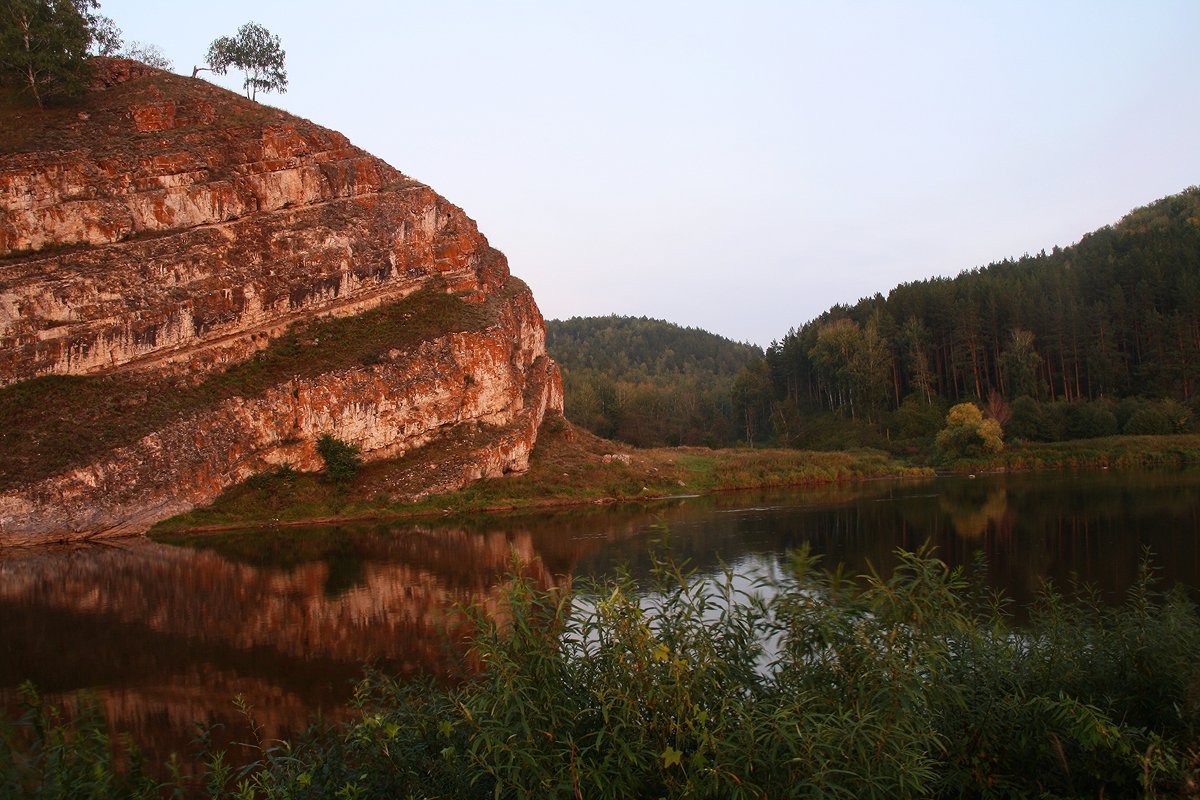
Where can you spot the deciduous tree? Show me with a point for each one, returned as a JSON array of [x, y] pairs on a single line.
[[149, 54], [967, 433], [752, 396], [44, 45], [257, 53]]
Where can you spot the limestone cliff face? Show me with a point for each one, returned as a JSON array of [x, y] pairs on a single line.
[[169, 228]]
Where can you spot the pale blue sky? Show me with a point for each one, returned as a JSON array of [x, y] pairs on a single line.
[[740, 167]]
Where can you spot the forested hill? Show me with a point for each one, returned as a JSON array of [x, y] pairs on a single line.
[[1115, 315], [646, 381]]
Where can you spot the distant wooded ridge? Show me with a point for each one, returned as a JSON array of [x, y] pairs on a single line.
[[1050, 345], [648, 382]]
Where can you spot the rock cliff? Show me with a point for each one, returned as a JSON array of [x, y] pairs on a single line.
[[170, 257]]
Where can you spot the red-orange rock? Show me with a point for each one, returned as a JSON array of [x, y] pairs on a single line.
[[172, 227]]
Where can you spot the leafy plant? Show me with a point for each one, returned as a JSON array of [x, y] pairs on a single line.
[[55, 752], [44, 46], [810, 683], [341, 459]]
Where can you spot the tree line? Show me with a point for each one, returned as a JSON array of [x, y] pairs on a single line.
[[1056, 345], [1095, 339], [648, 382]]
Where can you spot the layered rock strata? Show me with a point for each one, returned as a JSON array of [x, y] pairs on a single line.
[[169, 228]]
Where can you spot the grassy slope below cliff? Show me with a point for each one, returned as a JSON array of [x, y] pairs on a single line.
[[573, 467], [569, 466]]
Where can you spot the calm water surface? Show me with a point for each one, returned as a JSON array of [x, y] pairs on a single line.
[[165, 636]]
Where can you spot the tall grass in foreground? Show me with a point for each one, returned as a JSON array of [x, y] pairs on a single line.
[[809, 684]]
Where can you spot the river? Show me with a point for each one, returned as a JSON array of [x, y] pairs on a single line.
[[165, 636]]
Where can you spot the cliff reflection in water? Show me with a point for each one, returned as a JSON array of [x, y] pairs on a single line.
[[168, 635]]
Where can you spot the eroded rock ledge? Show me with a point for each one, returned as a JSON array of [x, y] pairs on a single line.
[[168, 227]]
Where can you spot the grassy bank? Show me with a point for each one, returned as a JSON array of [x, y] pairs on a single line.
[[568, 467], [911, 685], [572, 467], [1116, 452]]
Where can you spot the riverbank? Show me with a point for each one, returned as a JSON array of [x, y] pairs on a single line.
[[1115, 452], [570, 467]]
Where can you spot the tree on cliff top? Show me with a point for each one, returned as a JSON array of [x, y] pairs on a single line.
[[44, 44], [256, 53], [147, 53]]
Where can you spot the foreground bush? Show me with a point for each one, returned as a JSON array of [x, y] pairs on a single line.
[[808, 684]]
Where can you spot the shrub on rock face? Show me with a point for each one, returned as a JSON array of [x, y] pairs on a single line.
[[341, 459], [968, 434]]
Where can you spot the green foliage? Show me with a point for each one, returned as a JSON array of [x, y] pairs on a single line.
[[831, 431], [647, 382], [1091, 420], [1115, 314], [257, 53], [50, 752], [852, 363], [341, 459], [1140, 417], [751, 395], [917, 419], [968, 434], [44, 45], [1178, 415], [1147, 422], [1027, 421], [1051, 333], [1020, 365], [804, 682]]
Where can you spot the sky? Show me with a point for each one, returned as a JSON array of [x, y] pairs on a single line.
[[742, 166]]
